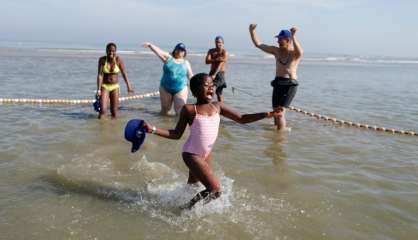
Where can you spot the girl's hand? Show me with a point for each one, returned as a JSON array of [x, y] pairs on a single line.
[[272, 114], [146, 44], [148, 127], [98, 93], [278, 112]]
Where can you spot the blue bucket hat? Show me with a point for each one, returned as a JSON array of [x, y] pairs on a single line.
[[135, 133], [219, 38], [180, 46], [284, 34], [96, 104]]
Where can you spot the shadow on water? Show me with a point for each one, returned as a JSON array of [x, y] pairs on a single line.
[[166, 203], [62, 185]]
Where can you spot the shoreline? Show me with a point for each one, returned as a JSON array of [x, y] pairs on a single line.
[[239, 54]]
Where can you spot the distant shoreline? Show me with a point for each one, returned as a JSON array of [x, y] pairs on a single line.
[[199, 52]]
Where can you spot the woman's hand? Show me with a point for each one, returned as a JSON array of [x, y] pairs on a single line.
[[147, 45], [252, 27], [160, 53], [130, 89]]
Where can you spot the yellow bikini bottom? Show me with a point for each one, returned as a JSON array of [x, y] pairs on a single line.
[[110, 86]]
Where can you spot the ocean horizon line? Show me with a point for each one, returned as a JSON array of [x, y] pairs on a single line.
[[136, 49]]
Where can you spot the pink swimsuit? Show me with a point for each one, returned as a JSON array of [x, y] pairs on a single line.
[[203, 134]]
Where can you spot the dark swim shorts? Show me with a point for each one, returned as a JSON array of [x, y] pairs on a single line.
[[219, 82], [284, 90]]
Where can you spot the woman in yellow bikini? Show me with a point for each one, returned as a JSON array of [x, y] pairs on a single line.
[[107, 80]]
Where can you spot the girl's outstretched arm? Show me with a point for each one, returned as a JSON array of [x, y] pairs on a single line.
[[245, 118], [175, 133], [164, 56]]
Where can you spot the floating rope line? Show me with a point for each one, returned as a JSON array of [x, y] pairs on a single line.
[[339, 121], [353, 124], [156, 93], [69, 101]]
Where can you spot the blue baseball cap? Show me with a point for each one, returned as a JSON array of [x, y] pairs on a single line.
[[135, 133], [180, 46], [96, 104], [284, 34], [219, 38]]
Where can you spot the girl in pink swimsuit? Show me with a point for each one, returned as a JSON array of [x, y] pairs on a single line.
[[203, 117]]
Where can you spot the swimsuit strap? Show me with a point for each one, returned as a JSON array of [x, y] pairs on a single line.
[[211, 104], [216, 109]]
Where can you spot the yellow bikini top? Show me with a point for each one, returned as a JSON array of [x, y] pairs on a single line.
[[108, 70]]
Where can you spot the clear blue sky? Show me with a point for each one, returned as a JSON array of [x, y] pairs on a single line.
[[357, 27]]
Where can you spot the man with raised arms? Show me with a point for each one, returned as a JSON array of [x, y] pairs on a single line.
[[288, 55]]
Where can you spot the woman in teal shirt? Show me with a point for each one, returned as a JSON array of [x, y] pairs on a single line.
[[176, 73]]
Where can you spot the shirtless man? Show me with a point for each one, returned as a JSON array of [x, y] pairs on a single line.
[[217, 57], [287, 56]]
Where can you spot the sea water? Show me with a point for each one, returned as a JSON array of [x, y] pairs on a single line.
[[66, 175]]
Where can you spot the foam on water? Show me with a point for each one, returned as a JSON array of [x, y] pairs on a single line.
[[153, 171], [168, 192], [152, 187], [163, 199]]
